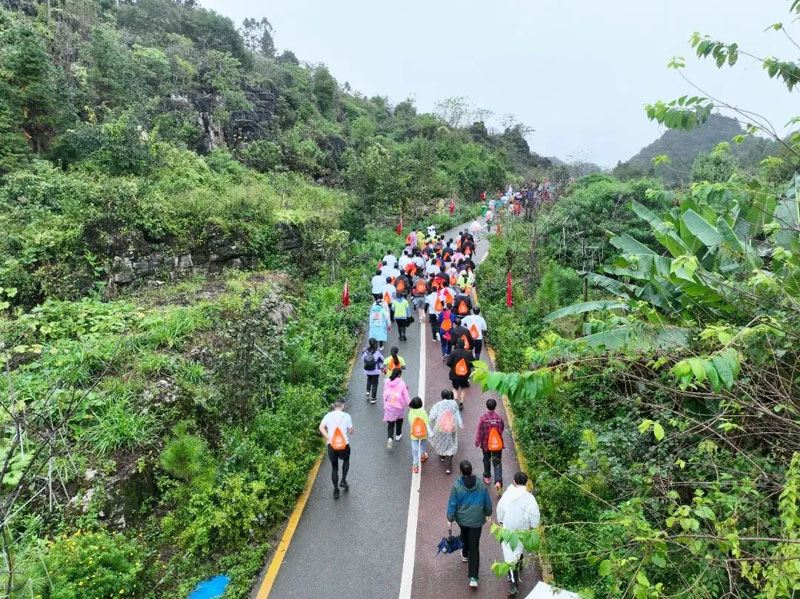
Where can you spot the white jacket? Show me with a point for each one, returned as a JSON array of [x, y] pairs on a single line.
[[517, 510]]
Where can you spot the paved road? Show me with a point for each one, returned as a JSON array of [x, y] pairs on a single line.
[[354, 547]]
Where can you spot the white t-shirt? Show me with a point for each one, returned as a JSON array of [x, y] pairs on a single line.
[[390, 260], [419, 261], [378, 281], [478, 321], [430, 299], [432, 268], [338, 419], [390, 289], [404, 261]]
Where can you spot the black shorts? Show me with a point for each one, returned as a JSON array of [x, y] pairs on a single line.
[[342, 454], [460, 383]]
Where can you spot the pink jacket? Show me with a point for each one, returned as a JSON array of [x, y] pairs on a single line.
[[395, 399]]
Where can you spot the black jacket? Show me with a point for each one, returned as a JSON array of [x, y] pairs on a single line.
[[455, 356]]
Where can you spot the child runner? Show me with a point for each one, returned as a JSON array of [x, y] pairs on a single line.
[[418, 421], [395, 402], [395, 360], [373, 363]]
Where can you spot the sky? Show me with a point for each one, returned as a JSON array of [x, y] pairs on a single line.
[[577, 71]]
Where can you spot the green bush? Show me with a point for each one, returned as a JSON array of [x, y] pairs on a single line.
[[87, 565]]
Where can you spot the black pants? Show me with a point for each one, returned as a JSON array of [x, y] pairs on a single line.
[[472, 543], [334, 456], [377, 296], [402, 323], [513, 573], [496, 459], [372, 384], [476, 348], [434, 322], [394, 425]]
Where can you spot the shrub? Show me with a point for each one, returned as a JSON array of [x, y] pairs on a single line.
[[87, 565]]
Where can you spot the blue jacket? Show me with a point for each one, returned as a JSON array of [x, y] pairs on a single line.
[[469, 503]]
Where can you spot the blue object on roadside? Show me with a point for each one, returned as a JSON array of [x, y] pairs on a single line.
[[211, 588]]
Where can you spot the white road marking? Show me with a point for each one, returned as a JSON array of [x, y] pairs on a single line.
[[409, 554]]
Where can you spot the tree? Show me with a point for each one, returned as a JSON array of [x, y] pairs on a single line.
[[714, 167], [453, 110], [324, 87], [257, 36]]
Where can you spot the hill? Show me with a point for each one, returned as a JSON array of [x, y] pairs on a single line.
[[683, 147]]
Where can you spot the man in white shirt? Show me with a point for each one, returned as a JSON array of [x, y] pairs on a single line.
[[404, 261], [432, 268], [433, 314], [420, 262], [377, 283], [336, 427], [476, 325], [390, 259], [517, 510], [391, 291]]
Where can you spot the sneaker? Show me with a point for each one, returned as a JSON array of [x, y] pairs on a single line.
[[415, 469], [448, 471], [441, 458], [389, 443], [499, 488], [367, 395], [473, 583], [373, 400], [398, 437], [461, 405], [487, 479], [344, 485], [513, 590], [424, 457], [336, 493], [464, 558]]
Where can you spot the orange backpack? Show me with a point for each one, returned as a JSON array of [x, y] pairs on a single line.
[[387, 298], [422, 288], [401, 285], [473, 330], [463, 308], [418, 428], [453, 279], [338, 442], [461, 368], [466, 342], [447, 324], [438, 306], [495, 442]]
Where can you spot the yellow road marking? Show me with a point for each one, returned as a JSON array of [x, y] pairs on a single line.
[[283, 545]]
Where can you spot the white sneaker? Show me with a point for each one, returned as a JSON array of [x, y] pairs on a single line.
[[389, 443], [398, 437]]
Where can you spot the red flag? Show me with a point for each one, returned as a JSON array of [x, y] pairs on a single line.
[[400, 226], [508, 290], [346, 293], [499, 230], [452, 207]]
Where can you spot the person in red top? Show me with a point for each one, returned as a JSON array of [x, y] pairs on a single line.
[[491, 458]]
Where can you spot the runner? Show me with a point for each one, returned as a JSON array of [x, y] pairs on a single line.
[[434, 307], [389, 259], [475, 229], [395, 402], [489, 438], [470, 507], [517, 510], [446, 321], [373, 363], [446, 420], [418, 423], [462, 302], [460, 363], [336, 427], [402, 311], [420, 292], [476, 325], [394, 361], [462, 333], [378, 323], [389, 293], [377, 282]]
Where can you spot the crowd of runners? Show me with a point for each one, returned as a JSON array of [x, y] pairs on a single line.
[[431, 281]]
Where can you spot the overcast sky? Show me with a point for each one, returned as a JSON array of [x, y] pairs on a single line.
[[577, 71]]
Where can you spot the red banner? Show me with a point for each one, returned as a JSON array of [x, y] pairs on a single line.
[[346, 293], [400, 226], [508, 290]]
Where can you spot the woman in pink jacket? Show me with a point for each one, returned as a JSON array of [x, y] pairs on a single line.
[[395, 402]]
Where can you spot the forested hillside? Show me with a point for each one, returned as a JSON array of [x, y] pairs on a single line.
[[683, 148], [178, 210]]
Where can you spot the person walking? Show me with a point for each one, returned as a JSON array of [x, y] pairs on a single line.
[[336, 427], [373, 364], [517, 510], [445, 419], [420, 294], [402, 311], [470, 507], [395, 402], [460, 363], [377, 282], [378, 323], [389, 294], [476, 325], [446, 323], [489, 438], [419, 422], [395, 360], [462, 333]]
